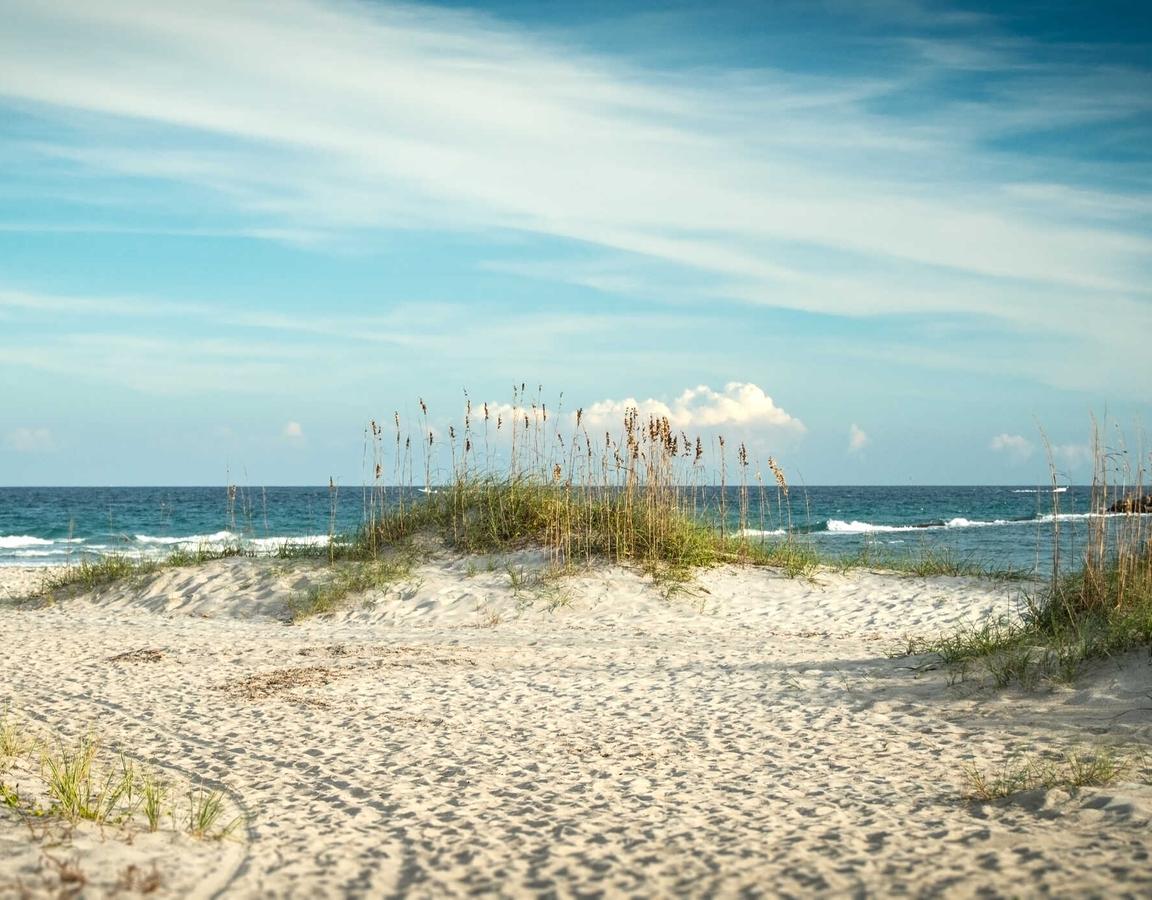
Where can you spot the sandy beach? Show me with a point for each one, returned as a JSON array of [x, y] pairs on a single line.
[[475, 729]]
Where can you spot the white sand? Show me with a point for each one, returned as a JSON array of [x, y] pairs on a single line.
[[452, 735]]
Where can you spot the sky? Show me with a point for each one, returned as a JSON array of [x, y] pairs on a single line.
[[886, 242]]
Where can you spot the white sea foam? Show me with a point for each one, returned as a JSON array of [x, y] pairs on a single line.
[[1055, 490], [1071, 517], [837, 526], [229, 538], [961, 522], [13, 541], [756, 532], [219, 537], [28, 550]]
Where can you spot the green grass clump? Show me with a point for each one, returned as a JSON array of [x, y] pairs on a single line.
[[205, 811], [1075, 770], [77, 793], [153, 794], [89, 574], [81, 781], [347, 579], [1101, 610], [524, 477], [794, 558], [491, 514]]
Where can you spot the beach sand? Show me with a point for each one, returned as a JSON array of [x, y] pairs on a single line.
[[591, 735]]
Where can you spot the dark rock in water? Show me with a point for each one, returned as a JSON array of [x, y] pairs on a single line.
[[1133, 503]]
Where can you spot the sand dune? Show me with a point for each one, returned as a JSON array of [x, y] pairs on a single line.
[[455, 734]]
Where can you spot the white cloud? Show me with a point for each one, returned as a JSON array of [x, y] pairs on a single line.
[[331, 117], [236, 350], [1071, 456], [293, 431], [857, 438], [29, 440], [738, 405], [1016, 446]]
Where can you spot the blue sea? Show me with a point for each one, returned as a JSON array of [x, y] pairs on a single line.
[[990, 525]]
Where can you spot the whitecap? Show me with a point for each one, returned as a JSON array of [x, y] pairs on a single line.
[[220, 537], [837, 526], [961, 522], [13, 541], [304, 540], [756, 532]]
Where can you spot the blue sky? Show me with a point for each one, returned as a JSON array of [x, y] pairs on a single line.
[[888, 242]]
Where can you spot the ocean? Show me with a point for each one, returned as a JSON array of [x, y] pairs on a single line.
[[996, 526]]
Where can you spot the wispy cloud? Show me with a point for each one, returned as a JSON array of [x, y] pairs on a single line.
[[328, 117], [857, 438], [132, 341]]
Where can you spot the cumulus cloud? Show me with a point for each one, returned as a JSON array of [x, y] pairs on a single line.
[[1015, 445], [29, 440], [738, 405], [293, 431], [857, 438]]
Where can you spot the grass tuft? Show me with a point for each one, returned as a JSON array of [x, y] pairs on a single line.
[[1098, 768], [80, 781], [347, 579], [205, 810]]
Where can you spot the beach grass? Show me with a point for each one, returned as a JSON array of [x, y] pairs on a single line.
[[926, 560], [206, 811], [1095, 768], [344, 580], [1101, 608], [522, 475], [48, 778], [88, 574]]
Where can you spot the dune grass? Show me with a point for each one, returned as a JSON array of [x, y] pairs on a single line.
[[1096, 768], [926, 561], [522, 475], [88, 574], [49, 778], [1100, 609], [344, 580]]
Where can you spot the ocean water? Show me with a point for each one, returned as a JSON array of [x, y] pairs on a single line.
[[992, 525]]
